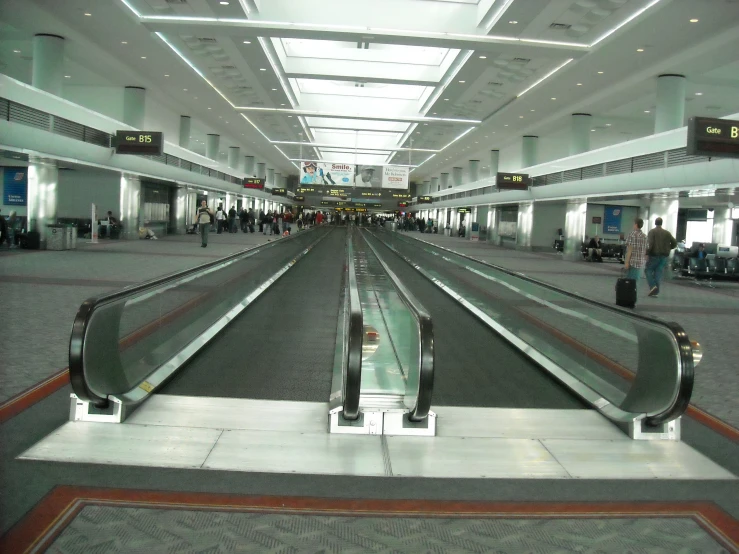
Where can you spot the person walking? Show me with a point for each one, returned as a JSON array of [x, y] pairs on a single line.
[[204, 217], [636, 252], [220, 219], [659, 245]]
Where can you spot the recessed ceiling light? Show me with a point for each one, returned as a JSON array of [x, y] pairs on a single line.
[[88, 14], [646, 111], [184, 89], [513, 22], [506, 125], [16, 51], [600, 73], [247, 42], [483, 57], [223, 3], [196, 98], [640, 49], [274, 89], [520, 117], [166, 75], [289, 116], [446, 99], [553, 98], [220, 117], [124, 42], [262, 69], [425, 123], [579, 84], [462, 81], [67, 76], [533, 110], [143, 57], [592, 130], [477, 142], [433, 113], [694, 20], [608, 124], [208, 108], [699, 94]]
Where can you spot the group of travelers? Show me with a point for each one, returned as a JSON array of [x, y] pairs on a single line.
[[9, 230], [648, 254]]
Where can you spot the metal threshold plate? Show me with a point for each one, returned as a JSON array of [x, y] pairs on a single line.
[[292, 437]]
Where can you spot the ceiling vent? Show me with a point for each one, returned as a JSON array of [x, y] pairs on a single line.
[[207, 40], [228, 67], [560, 26], [520, 60], [180, 2], [494, 84]]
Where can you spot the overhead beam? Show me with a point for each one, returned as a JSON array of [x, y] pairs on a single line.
[[246, 28], [329, 115]]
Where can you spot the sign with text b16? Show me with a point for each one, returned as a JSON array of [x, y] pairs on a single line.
[[425, 200], [253, 183], [716, 138], [512, 181]]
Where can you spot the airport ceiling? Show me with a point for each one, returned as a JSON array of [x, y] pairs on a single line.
[[427, 83]]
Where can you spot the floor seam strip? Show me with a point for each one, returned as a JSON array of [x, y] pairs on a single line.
[[386, 457], [212, 448]]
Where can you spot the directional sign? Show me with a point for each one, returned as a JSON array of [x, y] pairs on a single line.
[[142, 143], [716, 138], [512, 181]]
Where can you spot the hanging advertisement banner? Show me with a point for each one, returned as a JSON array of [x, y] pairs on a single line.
[[321, 173], [612, 219], [395, 177], [15, 186]]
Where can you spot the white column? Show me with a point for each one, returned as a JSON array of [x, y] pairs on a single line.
[[212, 144], [434, 184], [270, 177], [249, 165], [48, 63], [185, 128], [43, 182], [474, 170], [234, 157], [130, 206], [723, 226], [670, 103], [134, 106], [181, 208], [574, 231], [525, 225], [445, 181], [456, 176], [494, 161], [529, 150], [261, 171], [580, 133]]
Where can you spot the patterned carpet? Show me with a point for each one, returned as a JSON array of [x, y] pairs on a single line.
[[108, 529]]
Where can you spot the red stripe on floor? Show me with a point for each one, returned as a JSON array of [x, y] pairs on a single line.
[[15, 405], [55, 511]]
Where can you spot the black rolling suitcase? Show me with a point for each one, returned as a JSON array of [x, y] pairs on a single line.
[[626, 292], [31, 240]]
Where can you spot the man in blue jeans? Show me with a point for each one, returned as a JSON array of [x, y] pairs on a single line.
[[659, 245], [636, 252]]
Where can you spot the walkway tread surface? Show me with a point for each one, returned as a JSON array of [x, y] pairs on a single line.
[[709, 316]]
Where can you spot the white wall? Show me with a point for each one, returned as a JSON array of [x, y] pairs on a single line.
[[104, 100], [548, 217], [597, 210], [80, 188], [6, 209]]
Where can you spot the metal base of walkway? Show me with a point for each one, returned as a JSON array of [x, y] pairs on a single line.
[[292, 437]]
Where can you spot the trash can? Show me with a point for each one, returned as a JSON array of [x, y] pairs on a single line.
[[56, 237], [448, 231], [394, 226]]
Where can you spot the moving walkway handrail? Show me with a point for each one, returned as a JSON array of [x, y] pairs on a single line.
[[640, 390], [80, 326], [426, 343], [353, 340]]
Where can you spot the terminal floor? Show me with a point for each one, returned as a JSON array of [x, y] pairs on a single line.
[[40, 292], [708, 315], [158, 509]]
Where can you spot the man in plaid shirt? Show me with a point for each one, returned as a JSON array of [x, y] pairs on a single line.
[[636, 252]]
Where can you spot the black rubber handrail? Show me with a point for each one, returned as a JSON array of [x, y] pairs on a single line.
[[426, 342], [88, 307], [686, 368], [354, 339]]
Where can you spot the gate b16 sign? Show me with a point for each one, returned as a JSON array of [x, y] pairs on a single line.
[[717, 138]]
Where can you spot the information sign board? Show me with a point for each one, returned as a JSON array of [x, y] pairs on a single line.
[[142, 143]]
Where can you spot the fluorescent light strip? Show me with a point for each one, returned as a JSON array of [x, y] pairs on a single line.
[[498, 15], [247, 23], [403, 138], [345, 162], [400, 119], [448, 145], [389, 149], [130, 7], [245, 7], [257, 128], [423, 162], [450, 77], [286, 157], [625, 21], [552, 72], [195, 69]]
